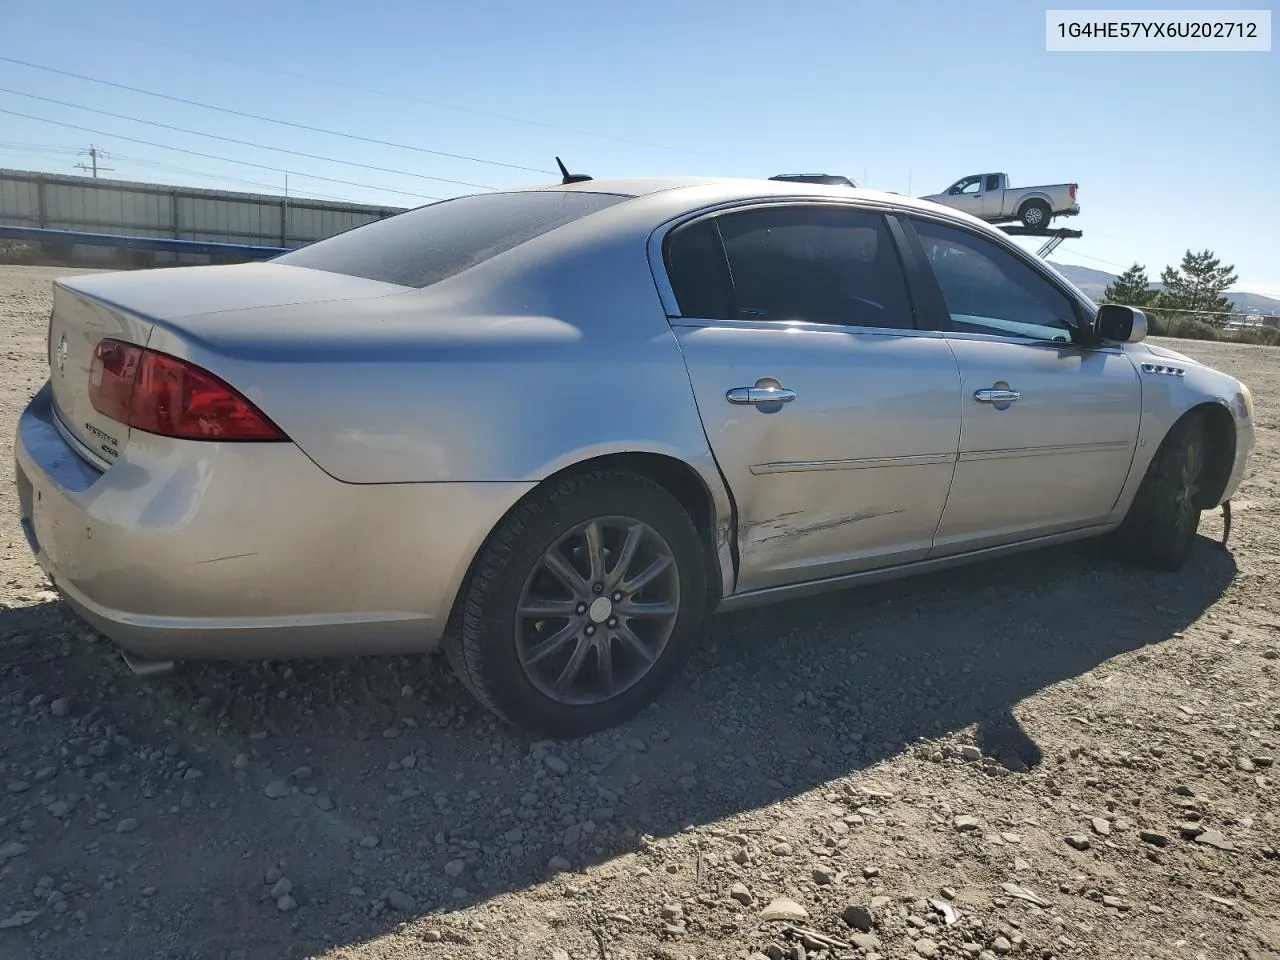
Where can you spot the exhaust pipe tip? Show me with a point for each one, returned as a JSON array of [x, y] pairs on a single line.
[[143, 667]]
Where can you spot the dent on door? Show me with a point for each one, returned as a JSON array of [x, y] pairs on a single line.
[[838, 446]]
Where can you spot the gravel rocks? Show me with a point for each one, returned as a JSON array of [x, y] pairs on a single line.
[[966, 824], [859, 917], [1216, 839], [1079, 841], [276, 789], [399, 900], [784, 908]]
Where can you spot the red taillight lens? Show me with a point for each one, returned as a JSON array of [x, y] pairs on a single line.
[[1073, 191], [161, 394]]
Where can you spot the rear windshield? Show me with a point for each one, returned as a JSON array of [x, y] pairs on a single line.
[[426, 245]]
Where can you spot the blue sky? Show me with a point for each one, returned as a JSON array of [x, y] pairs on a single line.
[[1171, 151]]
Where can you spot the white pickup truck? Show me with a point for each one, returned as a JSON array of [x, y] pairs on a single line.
[[989, 197]]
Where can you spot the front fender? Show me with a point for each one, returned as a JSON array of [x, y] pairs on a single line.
[[1172, 387]]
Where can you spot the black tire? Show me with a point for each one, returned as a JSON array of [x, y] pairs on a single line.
[[1035, 213], [1160, 527], [482, 644]]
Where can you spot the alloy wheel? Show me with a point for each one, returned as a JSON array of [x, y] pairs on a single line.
[[597, 610]]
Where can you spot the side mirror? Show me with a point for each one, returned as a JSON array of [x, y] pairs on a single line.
[[1117, 324]]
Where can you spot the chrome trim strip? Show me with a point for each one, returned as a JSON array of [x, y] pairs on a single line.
[[804, 326], [970, 455], [800, 466]]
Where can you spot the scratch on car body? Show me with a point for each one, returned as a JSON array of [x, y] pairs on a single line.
[[779, 529]]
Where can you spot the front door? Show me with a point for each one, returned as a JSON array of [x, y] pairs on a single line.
[[833, 419], [1049, 426], [966, 195]]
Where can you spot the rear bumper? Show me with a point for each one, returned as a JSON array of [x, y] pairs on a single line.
[[185, 550]]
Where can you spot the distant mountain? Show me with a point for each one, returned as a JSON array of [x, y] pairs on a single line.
[[1092, 282]]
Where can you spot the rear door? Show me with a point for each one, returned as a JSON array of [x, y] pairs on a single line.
[[1049, 424], [834, 419]]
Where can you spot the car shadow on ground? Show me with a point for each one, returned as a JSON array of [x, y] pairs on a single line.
[[393, 779]]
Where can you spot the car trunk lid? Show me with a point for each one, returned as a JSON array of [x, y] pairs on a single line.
[[128, 306], [78, 323]]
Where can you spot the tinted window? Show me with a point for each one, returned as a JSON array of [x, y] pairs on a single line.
[[697, 270], [993, 182], [431, 243], [816, 264], [989, 290]]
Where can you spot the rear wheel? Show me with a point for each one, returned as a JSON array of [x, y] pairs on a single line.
[[581, 606], [1035, 213], [1160, 527]]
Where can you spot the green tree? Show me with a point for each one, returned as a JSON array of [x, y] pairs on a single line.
[[1131, 288], [1198, 285]]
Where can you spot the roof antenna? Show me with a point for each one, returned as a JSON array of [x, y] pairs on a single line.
[[570, 177]]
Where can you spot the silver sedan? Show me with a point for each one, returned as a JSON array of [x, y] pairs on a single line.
[[551, 429]]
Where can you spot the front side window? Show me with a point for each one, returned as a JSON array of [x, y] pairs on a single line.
[[815, 264], [989, 290], [967, 187]]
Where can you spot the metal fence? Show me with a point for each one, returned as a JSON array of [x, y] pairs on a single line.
[[133, 209]]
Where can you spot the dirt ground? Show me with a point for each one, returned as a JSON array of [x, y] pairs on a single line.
[[1050, 756]]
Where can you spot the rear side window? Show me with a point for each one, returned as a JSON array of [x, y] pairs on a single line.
[[431, 243], [819, 264], [698, 273]]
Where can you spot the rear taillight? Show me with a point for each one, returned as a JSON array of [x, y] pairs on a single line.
[[164, 395], [1073, 191]]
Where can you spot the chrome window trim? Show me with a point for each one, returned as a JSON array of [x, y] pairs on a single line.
[[804, 326], [658, 267]]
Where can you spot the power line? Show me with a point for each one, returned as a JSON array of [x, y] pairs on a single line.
[[254, 116], [210, 156], [92, 153], [313, 78], [43, 147], [1110, 263], [243, 143], [205, 175]]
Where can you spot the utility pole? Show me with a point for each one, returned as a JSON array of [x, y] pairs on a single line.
[[93, 153]]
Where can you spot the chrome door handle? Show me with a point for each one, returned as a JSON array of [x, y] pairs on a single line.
[[996, 396], [760, 395]]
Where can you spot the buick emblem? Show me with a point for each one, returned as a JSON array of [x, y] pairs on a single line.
[[62, 354]]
